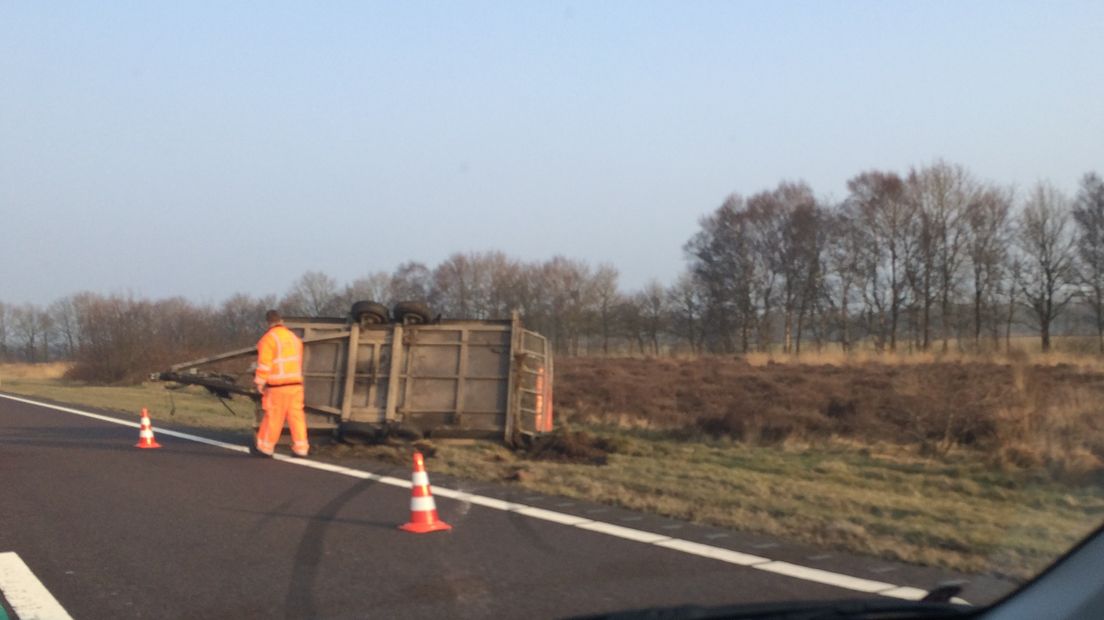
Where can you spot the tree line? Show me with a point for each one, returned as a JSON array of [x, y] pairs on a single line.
[[928, 259]]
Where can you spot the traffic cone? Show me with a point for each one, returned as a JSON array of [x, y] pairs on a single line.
[[423, 510], [145, 436]]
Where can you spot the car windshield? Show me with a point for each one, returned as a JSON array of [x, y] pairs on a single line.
[[676, 303]]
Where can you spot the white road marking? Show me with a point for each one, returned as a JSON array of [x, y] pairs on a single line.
[[479, 500], [550, 515], [709, 551], [729, 556], [912, 594], [28, 598], [622, 532], [826, 577]]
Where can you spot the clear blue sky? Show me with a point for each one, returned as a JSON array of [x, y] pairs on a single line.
[[205, 148]]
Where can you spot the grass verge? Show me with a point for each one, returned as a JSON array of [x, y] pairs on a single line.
[[953, 511], [192, 406]]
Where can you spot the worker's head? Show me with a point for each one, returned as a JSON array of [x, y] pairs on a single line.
[[273, 317]]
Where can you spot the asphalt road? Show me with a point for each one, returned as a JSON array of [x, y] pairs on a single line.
[[198, 531]]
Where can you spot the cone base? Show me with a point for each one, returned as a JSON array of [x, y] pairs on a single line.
[[425, 528], [145, 446]]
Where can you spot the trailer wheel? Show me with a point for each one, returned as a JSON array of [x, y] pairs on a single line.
[[410, 312], [369, 312]]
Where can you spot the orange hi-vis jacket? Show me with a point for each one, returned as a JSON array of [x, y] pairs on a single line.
[[279, 358]]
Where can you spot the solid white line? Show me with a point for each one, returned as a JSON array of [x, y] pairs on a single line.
[[721, 554], [29, 599], [912, 594], [827, 577], [623, 532], [481, 500], [104, 418], [549, 515], [716, 553], [344, 471]]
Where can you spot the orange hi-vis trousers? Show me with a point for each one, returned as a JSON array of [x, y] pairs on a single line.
[[282, 402]]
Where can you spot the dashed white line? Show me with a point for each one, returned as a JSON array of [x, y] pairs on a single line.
[[729, 556], [28, 598]]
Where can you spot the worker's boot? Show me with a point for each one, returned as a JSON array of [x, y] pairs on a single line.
[[253, 451]]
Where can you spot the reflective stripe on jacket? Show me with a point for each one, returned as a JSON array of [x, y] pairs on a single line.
[[279, 357]]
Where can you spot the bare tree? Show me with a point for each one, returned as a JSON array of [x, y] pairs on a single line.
[[652, 302], [479, 285], [411, 281], [5, 328], [686, 299], [1010, 289], [606, 298], [807, 230], [46, 330], [1088, 212], [570, 295], [27, 328], [505, 285], [887, 217], [117, 338], [456, 283], [731, 273], [847, 266], [240, 319], [180, 327], [630, 316], [988, 219], [122, 339], [766, 232], [942, 193], [375, 286], [1044, 239], [313, 294], [517, 286], [753, 259], [788, 235], [64, 318]]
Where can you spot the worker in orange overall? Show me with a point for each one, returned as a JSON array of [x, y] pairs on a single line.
[[279, 379]]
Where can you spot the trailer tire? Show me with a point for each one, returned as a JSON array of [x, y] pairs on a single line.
[[369, 311], [410, 312]]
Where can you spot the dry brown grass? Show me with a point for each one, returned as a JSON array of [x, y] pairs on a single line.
[[837, 357], [53, 370], [1060, 430], [1035, 412], [191, 406], [885, 500]]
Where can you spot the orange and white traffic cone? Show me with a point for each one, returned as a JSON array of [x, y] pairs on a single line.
[[423, 510], [145, 435]]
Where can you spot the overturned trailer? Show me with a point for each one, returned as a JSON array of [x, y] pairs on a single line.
[[374, 372]]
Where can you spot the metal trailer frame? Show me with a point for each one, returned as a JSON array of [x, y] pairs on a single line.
[[450, 378]]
